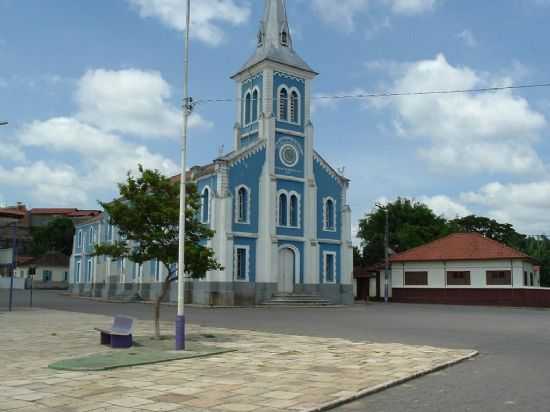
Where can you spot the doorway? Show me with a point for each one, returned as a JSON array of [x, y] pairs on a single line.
[[287, 270]]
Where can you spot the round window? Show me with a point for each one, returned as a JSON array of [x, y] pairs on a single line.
[[288, 155]]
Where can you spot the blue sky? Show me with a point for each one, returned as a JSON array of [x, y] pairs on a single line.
[[92, 88]]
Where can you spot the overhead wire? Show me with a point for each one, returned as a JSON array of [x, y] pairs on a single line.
[[359, 96]]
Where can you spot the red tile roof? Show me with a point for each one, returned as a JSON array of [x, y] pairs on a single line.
[[70, 212], [12, 213], [460, 246]]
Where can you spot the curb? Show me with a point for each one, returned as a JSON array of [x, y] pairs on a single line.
[[379, 388], [196, 305]]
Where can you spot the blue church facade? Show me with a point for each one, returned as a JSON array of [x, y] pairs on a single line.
[[279, 210]]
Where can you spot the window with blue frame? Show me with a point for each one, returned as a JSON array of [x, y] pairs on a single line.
[[294, 211], [89, 269], [79, 242], [329, 214], [294, 107], [283, 104], [283, 209], [329, 267], [205, 205], [247, 108], [47, 276], [241, 263], [77, 272], [242, 207], [255, 105]]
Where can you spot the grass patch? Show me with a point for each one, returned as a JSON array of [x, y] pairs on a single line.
[[145, 351]]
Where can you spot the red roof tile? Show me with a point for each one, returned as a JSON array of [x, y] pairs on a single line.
[[72, 212], [460, 246], [12, 213]]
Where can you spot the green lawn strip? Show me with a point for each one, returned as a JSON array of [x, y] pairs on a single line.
[[145, 352]]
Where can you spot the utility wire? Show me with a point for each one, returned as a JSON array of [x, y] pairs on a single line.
[[396, 94]]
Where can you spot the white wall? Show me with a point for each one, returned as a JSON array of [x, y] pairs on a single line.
[[437, 272]]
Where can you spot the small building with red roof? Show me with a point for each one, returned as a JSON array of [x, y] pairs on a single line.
[[462, 268]]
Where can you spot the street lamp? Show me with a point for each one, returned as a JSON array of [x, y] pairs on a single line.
[[386, 251], [3, 123], [187, 109]]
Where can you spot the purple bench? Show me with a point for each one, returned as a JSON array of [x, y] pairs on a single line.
[[120, 334]]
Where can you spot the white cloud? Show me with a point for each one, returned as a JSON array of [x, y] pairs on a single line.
[[130, 101], [488, 131], [445, 206], [468, 38], [10, 151], [525, 205], [45, 184], [340, 13], [106, 157], [477, 157], [412, 6], [87, 153], [206, 15]]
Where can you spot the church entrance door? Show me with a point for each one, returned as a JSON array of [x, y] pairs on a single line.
[[286, 270]]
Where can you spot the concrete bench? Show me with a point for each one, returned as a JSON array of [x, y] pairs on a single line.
[[120, 333]]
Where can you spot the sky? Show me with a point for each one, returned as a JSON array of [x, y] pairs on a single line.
[[92, 88]]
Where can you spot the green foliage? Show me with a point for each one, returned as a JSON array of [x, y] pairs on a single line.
[[501, 232], [55, 236], [147, 217], [539, 248], [411, 224]]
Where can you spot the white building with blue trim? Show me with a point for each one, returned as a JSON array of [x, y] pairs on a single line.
[[279, 210]]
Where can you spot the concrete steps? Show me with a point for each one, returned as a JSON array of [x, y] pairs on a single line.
[[296, 299]]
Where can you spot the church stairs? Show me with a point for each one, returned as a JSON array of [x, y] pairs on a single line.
[[295, 299]]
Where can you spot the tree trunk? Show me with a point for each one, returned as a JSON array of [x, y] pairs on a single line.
[[163, 292]]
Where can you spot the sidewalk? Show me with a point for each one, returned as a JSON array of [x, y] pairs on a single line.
[[268, 373]]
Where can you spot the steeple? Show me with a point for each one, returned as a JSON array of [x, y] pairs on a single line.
[[274, 41], [274, 28]]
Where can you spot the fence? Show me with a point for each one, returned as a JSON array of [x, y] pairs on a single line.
[[525, 297]]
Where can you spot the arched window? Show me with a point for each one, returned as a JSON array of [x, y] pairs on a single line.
[[283, 105], [205, 205], [283, 209], [242, 206], [294, 107], [329, 214], [255, 105], [294, 211], [247, 108]]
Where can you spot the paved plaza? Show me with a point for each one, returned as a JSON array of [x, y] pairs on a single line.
[[268, 372]]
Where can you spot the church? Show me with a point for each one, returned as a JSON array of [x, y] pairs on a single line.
[[279, 210]]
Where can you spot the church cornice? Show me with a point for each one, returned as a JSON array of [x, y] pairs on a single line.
[[289, 76], [237, 157], [252, 78], [328, 168]]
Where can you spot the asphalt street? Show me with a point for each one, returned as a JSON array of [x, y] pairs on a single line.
[[512, 372]]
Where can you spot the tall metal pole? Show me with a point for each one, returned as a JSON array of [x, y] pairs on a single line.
[[386, 255], [187, 107], [14, 260]]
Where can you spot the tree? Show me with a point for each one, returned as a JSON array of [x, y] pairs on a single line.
[[147, 217], [501, 232], [539, 249], [411, 224], [55, 236]]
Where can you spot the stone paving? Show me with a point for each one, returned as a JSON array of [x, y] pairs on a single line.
[[267, 373]]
